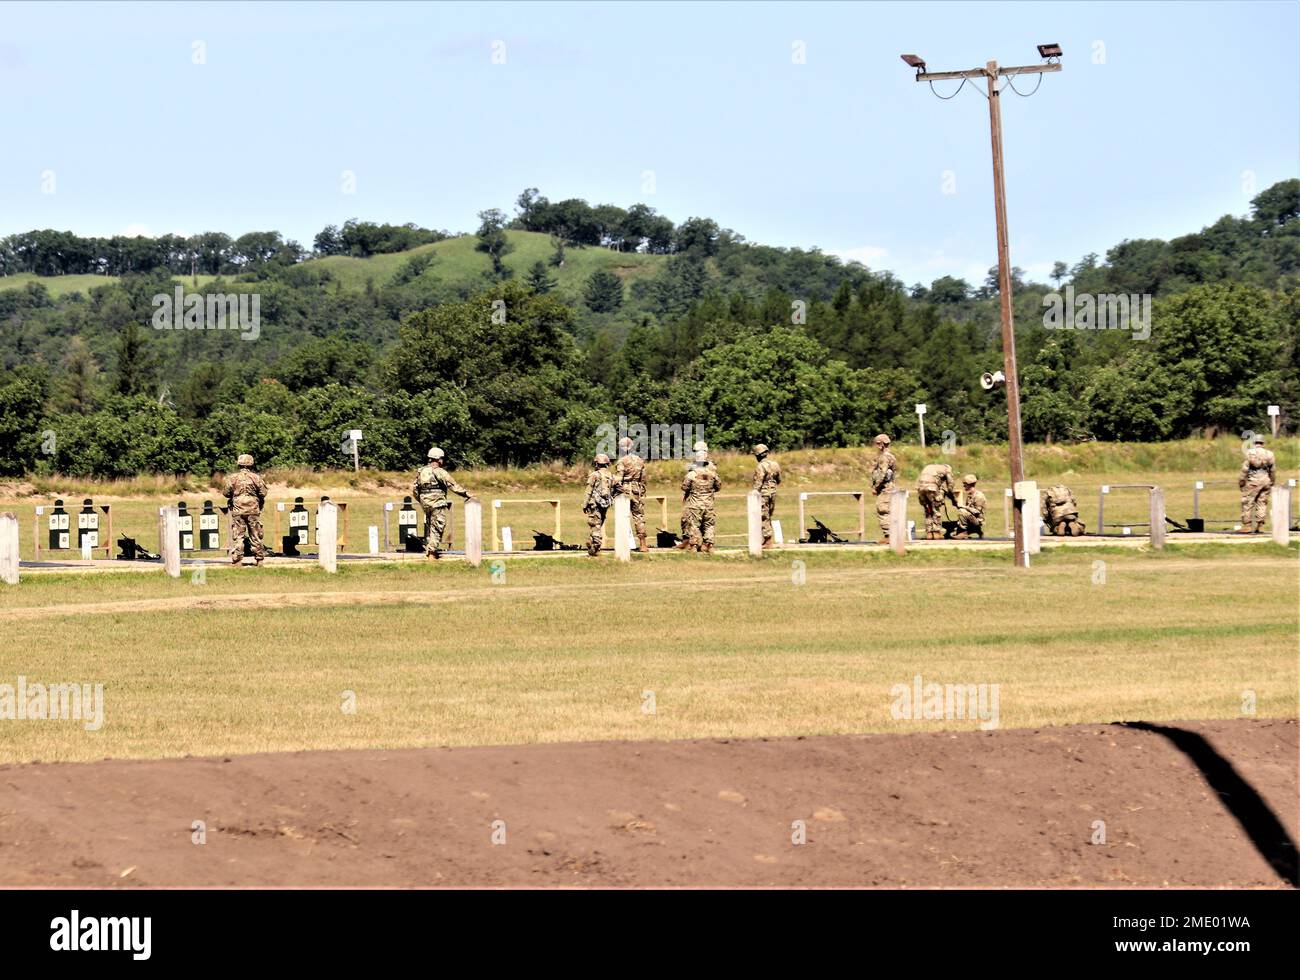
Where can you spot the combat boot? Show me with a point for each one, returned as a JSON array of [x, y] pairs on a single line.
[[707, 547], [641, 545], [768, 543], [593, 550], [683, 545]]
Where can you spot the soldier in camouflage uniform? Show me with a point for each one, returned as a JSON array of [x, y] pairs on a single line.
[[701, 450], [629, 479], [935, 485], [698, 489], [601, 487], [433, 487], [970, 511], [1258, 473], [1060, 511], [767, 477], [883, 470], [246, 493]]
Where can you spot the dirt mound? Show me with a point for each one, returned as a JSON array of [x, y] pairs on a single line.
[[1198, 803]]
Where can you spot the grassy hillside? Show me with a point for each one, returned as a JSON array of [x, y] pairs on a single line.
[[455, 261]]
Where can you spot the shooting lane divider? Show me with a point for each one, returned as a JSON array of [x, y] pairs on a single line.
[[9, 548], [754, 521], [327, 535], [474, 532], [622, 527], [169, 540], [1280, 513], [898, 521], [496, 507], [861, 496]]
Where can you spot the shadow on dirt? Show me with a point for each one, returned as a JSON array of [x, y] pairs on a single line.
[[1239, 798]]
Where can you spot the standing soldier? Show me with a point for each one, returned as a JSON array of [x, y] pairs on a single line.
[[767, 477], [935, 486], [246, 493], [601, 487], [1060, 511], [432, 488], [1257, 476], [883, 471], [970, 512], [698, 489], [701, 449], [629, 474]]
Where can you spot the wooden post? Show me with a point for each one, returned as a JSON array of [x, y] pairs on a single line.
[[327, 528], [169, 543], [754, 519], [1157, 518], [622, 527], [9, 548], [474, 532], [1279, 510], [898, 521]]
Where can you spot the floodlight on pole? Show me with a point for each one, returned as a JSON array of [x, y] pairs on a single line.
[[912, 61], [1025, 510]]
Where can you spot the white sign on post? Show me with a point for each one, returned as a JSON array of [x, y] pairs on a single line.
[[920, 417]]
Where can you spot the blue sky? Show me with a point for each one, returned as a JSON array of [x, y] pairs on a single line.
[[1166, 116]]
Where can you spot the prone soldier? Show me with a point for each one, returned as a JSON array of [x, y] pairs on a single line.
[[601, 488], [1258, 473], [246, 492], [971, 508], [1060, 511], [767, 477], [883, 470], [433, 486], [698, 490], [935, 486], [629, 479]]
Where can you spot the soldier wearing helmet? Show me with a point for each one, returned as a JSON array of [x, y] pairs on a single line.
[[700, 458], [698, 491], [935, 486], [601, 486], [883, 470], [1060, 511], [1258, 473], [433, 488], [970, 509], [629, 479], [767, 477], [246, 494]]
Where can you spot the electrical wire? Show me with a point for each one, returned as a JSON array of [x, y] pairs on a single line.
[[955, 91], [1023, 95]]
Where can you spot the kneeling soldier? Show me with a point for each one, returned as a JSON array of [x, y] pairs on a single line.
[[432, 487], [246, 493], [970, 511], [600, 495], [1061, 511]]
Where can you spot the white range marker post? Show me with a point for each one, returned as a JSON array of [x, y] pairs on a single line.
[[9, 548], [1279, 510], [622, 527], [169, 545], [777, 535], [920, 417], [327, 530], [1026, 492], [1157, 518], [374, 539], [898, 521], [507, 539], [1274, 417], [754, 515], [474, 532]]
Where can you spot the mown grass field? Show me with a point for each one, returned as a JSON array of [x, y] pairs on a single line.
[[569, 649]]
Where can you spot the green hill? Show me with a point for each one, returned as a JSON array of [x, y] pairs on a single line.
[[455, 262]]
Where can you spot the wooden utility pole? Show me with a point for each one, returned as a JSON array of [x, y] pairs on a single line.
[[991, 73]]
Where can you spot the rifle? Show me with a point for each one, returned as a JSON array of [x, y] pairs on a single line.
[[821, 534], [549, 542]]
